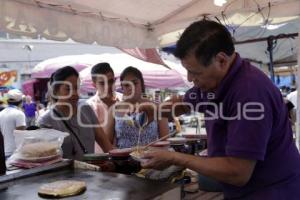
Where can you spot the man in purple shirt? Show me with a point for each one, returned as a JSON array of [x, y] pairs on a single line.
[[251, 151], [29, 109]]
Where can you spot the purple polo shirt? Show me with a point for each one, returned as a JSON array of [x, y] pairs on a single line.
[[29, 109], [263, 135]]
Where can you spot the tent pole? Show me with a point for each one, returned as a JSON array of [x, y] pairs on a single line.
[[270, 50], [280, 36], [298, 99]]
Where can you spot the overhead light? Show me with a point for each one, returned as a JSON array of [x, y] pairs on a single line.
[[273, 27], [219, 2]]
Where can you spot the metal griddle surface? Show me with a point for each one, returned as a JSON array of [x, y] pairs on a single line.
[[99, 186]]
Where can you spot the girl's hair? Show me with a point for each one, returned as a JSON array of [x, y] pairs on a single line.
[[61, 75], [135, 72]]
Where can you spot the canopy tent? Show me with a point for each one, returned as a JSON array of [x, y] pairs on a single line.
[[79, 62], [28, 87], [285, 49], [143, 23], [134, 23], [155, 76]]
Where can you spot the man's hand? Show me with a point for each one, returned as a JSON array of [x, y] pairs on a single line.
[[157, 159], [230, 170]]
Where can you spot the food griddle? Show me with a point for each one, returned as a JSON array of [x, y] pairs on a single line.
[[99, 186]]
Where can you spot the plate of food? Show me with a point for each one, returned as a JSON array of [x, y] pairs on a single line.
[[121, 152], [137, 155]]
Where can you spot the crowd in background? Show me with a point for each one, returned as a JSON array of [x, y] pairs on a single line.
[[100, 110]]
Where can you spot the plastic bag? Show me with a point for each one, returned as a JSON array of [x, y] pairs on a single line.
[[37, 147]]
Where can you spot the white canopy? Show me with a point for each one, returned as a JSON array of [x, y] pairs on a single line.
[[155, 76], [45, 68], [132, 23]]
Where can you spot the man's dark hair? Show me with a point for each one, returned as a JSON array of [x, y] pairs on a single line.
[[61, 75], [101, 68], [136, 73], [205, 39]]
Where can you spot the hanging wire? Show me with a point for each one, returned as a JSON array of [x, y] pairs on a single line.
[[266, 21], [218, 20], [259, 11]]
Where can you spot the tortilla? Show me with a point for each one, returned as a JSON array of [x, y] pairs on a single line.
[[63, 188], [39, 149]]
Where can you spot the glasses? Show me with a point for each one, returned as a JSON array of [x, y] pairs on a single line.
[[109, 82]]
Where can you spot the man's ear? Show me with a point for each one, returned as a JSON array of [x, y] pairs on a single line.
[[223, 59], [53, 94], [94, 84]]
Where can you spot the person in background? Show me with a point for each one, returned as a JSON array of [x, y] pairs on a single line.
[[251, 151], [46, 106], [292, 97], [103, 80], [12, 118], [291, 103], [30, 109], [2, 106], [121, 132], [67, 115]]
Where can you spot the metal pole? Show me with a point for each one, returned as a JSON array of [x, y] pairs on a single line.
[[298, 99], [270, 50], [280, 36]]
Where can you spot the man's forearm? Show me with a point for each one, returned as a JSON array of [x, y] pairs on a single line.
[[224, 169]]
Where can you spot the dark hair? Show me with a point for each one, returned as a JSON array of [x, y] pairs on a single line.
[[101, 68], [61, 75], [206, 38], [135, 72]]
